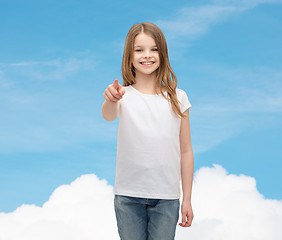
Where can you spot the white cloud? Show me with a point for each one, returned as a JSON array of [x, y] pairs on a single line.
[[192, 22], [226, 206], [58, 69], [54, 63], [245, 3], [82, 210]]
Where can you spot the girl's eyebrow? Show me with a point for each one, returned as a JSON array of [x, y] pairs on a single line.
[[142, 46]]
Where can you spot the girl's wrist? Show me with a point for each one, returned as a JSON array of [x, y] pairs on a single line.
[[186, 199]]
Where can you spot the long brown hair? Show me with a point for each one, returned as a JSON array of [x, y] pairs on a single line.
[[165, 76]]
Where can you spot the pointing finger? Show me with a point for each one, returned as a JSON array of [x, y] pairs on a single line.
[[116, 84]]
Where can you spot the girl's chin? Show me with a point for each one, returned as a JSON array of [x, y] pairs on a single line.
[[146, 73]]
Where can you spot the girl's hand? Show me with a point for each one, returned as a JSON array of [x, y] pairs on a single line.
[[187, 214], [114, 92]]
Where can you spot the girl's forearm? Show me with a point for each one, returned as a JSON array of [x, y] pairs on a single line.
[[187, 170], [110, 110]]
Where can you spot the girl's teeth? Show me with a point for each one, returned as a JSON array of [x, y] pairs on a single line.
[[147, 63]]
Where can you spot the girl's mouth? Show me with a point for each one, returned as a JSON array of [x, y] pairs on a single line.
[[147, 63]]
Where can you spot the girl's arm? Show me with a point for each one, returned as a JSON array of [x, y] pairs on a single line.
[[187, 170], [110, 110]]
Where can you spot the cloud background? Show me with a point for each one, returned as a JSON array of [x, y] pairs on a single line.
[[226, 206], [81, 210]]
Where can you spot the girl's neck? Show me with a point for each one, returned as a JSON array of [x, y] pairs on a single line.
[[145, 82]]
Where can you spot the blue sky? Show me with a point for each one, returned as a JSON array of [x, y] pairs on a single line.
[[57, 58]]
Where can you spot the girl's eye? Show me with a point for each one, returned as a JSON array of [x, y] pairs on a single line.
[[138, 50], [155, 49]]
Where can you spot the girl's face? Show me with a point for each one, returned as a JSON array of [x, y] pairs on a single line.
[[145, 55]]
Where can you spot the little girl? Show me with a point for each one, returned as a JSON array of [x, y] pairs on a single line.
[[153, 145]]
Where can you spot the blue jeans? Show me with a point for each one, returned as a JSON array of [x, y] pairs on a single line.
[[146, 218]]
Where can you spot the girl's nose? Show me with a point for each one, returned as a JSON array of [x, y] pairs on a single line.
[[147, 53]]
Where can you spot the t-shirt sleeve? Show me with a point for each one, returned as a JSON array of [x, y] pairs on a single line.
[[184, 101]]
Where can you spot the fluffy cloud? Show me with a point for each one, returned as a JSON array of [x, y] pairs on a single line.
[[226, 206], [192, 22], [82, 210]]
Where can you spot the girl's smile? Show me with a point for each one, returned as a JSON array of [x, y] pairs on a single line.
[[147, 62]]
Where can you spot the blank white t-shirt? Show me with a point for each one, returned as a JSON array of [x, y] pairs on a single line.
[[148, 147]]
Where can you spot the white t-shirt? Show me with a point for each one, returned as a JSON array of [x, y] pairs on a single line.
[[148, 147]]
